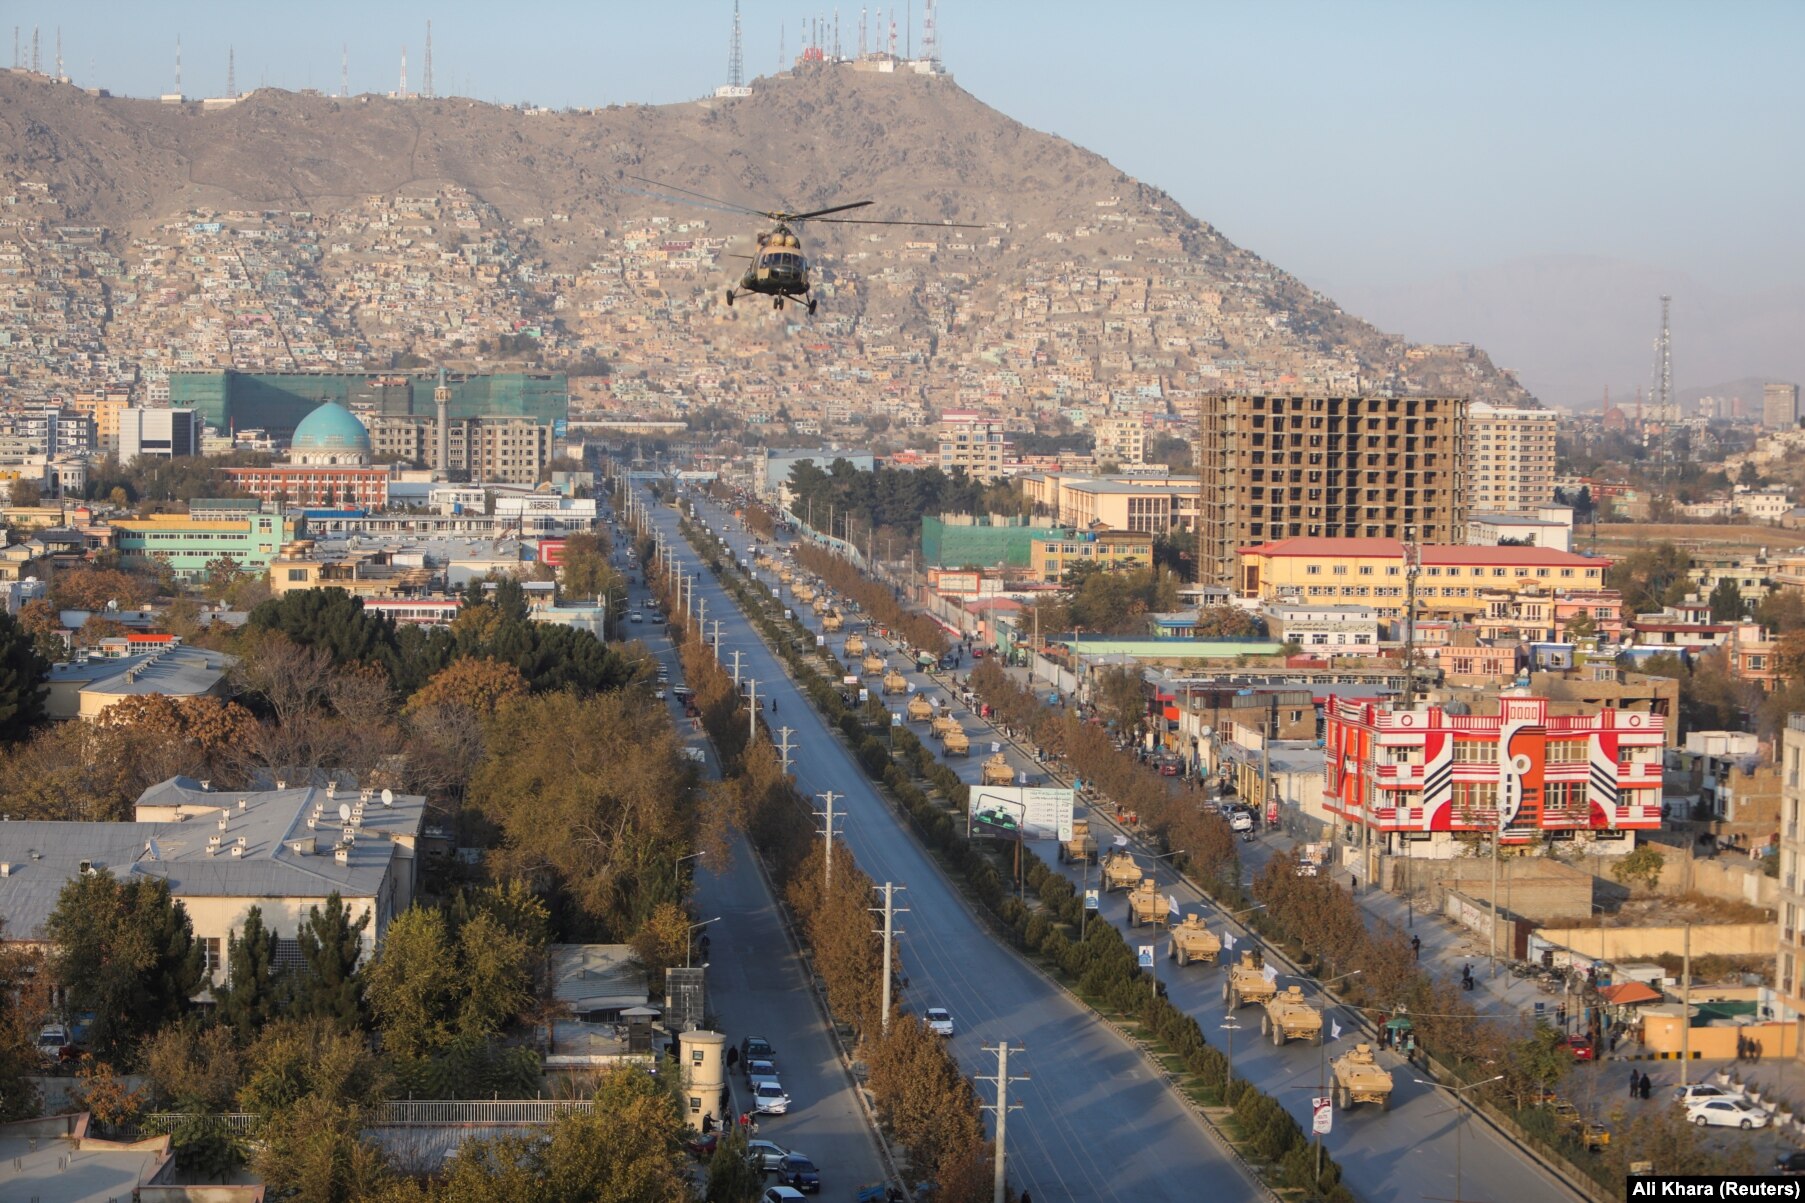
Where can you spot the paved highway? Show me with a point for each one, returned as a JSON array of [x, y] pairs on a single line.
[[1408, 1152], [757, 987], [1097, 1123]]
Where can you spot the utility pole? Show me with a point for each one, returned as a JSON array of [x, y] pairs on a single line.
[[736, 669], [752, 715], [1272, 727], [1685, 1000], [889, 911], [827, 831], [783, 748], [716, 624], [1002, 1108]]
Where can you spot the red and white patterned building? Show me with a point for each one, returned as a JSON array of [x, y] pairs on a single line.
[[1419, 780]]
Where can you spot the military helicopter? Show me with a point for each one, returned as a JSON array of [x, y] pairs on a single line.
[[778, 268]]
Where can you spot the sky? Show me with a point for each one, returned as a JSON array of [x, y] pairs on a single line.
[[1369, 147]]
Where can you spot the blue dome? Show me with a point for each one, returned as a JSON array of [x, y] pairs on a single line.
[[331, 427]]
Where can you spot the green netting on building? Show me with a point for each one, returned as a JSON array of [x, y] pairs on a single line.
[[980, 545], [277, 401]]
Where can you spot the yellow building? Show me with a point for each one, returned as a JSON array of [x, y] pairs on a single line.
[[105, 409], [1153, 504], [1453, 581], [1052, 558]]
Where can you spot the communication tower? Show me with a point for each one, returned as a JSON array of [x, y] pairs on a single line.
[[861, 36], [34, 49], [930, 43], [178, 60], [344, 69], [402, 94], [735, 68], [231, 73], [1660, 389], [426, 70], [59, 54]]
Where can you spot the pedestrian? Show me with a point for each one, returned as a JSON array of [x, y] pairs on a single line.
[[1416, 948], [708, 1123], [1647, 1087], [1742, 1047], [733, 1057], [1758, 1051], [1027, 1198], [1635, 1083], [726, 1104]]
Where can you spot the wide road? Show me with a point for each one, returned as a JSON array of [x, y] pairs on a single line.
[[757, 986], [1406, 1153], [1097, 1123]]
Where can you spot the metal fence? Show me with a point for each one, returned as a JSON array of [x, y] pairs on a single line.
[[403, 1113]]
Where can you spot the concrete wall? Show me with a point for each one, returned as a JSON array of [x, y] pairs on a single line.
[[1662, 1036], [1730, 876], [1647, 943], [1534, 887]]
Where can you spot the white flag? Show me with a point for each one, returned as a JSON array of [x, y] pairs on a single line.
[[1228, 940], [1270, 974], [1121, 841], [1334, 1030], [1172, 905]]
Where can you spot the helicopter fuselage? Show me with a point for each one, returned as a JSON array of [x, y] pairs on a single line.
[[777, 272]]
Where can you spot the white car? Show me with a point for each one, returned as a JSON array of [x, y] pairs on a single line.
[[1727, 1113], [635, 616], [1240, 821], [940, 1021], [768, 1098], [1698, 1092]]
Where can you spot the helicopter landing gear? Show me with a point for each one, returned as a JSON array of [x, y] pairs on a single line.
[[777, 302], [730, 298], [811, 306]]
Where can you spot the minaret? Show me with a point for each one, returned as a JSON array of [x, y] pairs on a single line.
[[441, 400]]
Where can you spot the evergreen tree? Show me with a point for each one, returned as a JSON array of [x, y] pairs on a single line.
[[125, 951], [327, 984], [1726, 601], [247, 998], [23, 671]]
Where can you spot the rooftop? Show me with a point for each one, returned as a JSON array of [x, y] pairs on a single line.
[[1439, 554], [44, 1163], [181, 841]]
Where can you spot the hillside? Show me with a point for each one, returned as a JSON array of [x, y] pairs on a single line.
[[1083, 268]]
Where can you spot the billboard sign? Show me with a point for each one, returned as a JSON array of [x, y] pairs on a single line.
[[1040, 813]]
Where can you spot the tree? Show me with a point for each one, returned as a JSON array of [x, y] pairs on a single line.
[[326, 986], [193, 1068], [40, 619], [1642, 866], [1650, 577], [663, 941], [482, 684], [1726, 601], [125, 951], [24, 493], [247, 997], [94, 589], [23, 671], [1120, 698], [603, 808], [412, 984], [1789, 656], [732, 1178], [297, 1058], [315, 1151], [24, 1002]]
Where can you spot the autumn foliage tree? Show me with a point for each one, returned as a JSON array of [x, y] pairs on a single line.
[[481, 684], [922, 1096], [836, 920]]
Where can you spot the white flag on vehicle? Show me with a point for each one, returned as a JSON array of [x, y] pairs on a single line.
[[1270, 974], [1334, 1030], [1121, 841], [1228, 939], [1172, 905]]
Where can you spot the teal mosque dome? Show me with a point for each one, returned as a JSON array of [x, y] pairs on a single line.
[[331, 427]]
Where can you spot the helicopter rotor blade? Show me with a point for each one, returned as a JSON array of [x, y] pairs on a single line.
[[932, 225], [699, 196], [816, 213], [685, 201]]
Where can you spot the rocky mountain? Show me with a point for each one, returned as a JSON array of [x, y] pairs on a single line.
[[1081, 269]]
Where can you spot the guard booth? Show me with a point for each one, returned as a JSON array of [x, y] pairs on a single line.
[[639, 1022], [704, 1075]]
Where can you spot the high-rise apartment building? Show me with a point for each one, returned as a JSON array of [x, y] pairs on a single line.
[[1510, 458], [161, 433], [1276, 468], [969, 442], [1789, 965], [1779, 405], [1119, 441]]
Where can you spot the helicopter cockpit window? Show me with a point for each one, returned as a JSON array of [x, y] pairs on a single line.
[[784, 262]]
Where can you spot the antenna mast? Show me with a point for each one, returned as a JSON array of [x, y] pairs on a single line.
[[735, 69], [402, 94], [178, 59], [59, 53], [930, 49], [426, 78], [344, 69], [231, 73], [1664, 402], [34, 49], [861, 36]]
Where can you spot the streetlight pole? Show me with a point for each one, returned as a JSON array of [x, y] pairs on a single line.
[[1460, 1108], [1322, 1061], [1231, 1027], [687, 946]]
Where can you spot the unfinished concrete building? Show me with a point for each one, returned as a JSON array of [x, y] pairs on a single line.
[[1332, 467]]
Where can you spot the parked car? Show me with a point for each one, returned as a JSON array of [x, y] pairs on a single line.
[[1700, 1091], [1580, 1047], [798, 1171], [701, 1146], [768, 1098], [758, 1069], [53, 1038], [1240, 821], [635, 616], [1727, 1113], [1792, 1163], [781, 1194], [766, 1155], [757, 1048], [940, 1021]]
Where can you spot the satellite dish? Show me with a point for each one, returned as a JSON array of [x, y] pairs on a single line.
[[344, 812], [388, 797]]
